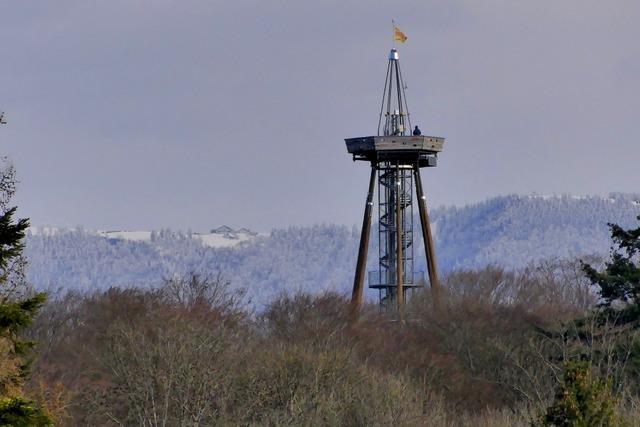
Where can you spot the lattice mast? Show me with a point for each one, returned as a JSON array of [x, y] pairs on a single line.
[[396, 113]]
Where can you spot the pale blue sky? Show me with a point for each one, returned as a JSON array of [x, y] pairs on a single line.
[[191, 114]]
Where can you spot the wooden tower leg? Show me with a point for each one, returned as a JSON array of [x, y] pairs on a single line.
[[358, 281], [399, 246], [427, 237]]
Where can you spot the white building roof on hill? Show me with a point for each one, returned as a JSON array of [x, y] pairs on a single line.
[[223, 230]]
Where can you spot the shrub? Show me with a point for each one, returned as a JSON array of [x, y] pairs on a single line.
[[581, 401]]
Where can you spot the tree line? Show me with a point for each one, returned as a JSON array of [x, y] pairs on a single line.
[[553, 344]]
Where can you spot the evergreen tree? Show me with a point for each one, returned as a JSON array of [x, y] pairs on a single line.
[[581, 401], [17, 309], [619, 283]]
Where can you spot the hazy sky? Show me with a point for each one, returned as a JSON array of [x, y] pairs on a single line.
[[191, 114]]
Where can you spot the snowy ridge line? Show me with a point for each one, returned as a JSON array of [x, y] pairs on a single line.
[[634, 199], [222, 237]]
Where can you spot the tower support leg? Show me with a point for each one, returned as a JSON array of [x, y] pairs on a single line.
[[427, 237], [358, 281], [399, 245]]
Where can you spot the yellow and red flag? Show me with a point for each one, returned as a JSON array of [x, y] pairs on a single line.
[[398, 35]]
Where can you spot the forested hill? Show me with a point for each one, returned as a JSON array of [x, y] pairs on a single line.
[[514, 230], [511, 231]]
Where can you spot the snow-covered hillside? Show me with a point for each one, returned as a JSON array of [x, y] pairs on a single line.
[[514, 230], [221, 237], [511, 231]]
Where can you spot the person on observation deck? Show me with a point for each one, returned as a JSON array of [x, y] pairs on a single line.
[[417, 131]]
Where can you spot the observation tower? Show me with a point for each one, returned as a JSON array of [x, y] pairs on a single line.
[[396, 155]]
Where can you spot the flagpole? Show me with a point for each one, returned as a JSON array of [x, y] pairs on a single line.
[[393, 33]]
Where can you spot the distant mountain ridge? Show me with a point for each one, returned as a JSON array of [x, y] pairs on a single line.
[[511, 231], [223, 236]]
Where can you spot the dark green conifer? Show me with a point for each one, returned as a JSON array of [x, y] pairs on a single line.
[[619, 283], [16, 312]]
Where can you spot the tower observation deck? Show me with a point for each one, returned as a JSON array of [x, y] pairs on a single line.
[[396, 155]]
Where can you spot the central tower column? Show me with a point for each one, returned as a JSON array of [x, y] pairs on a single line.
[[395, 214]]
